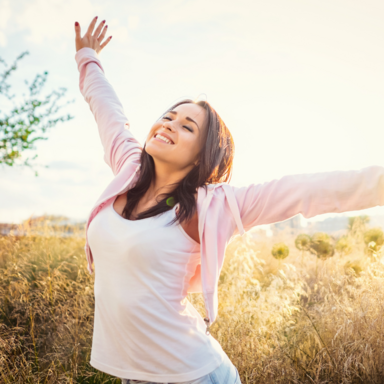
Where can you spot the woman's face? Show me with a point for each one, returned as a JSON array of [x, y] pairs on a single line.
[[182, 128]]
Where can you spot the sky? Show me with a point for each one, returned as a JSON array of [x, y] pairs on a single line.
[[300, 85]]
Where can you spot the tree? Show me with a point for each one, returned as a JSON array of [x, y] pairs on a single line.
[[22, 126]]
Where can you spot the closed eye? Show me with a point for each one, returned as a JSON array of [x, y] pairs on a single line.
[[189, 129]]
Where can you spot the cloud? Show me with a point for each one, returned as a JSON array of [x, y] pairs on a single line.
[[30, 18], [63, 188], [194, 12], [5, 15], [59, 24], [119, 32], [133, 22], [65, 165]]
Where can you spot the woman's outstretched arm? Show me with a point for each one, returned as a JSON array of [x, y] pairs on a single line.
[[310, 194], [114, 129]]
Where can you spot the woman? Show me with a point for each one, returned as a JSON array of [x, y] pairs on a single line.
[[160, 229]]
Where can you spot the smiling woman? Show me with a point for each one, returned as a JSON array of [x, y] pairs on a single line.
[[189, 147], [160, 229]]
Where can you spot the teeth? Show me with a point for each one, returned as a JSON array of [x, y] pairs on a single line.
[[163, 138]]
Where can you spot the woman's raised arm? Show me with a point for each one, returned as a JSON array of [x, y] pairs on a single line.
[[310, 194], [114, 129]]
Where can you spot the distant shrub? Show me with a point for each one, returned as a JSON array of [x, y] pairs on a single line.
[[353, 266], [376, 235], [344, 246], [303, 242], [355, 221], [280, 251], [357, 225], [373, 239], [321, 246]]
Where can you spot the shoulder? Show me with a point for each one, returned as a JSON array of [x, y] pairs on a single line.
[[217, 192], [217, 205]]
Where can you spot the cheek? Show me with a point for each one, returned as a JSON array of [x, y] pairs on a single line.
[[152, 131], [189, 145]]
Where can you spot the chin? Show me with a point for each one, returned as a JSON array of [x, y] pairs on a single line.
[[150, 150], [154, 152]]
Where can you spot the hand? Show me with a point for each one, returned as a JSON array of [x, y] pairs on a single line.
[[92, 39]]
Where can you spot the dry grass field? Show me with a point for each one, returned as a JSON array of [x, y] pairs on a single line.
[[302, 319]]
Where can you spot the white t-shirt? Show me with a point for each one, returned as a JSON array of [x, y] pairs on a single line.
[[144, 326]]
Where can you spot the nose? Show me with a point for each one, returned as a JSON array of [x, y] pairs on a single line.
[[168, 125]]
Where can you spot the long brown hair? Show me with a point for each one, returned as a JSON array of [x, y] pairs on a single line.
[[214, 166]]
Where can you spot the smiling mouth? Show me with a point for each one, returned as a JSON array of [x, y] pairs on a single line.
[[162, 138]]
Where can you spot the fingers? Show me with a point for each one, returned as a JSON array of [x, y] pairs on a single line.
[[98, 29], [92, 26], [77, 30], [101, 37], [105, 42]]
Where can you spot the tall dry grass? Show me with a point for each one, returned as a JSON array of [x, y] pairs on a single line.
[[293, 321]]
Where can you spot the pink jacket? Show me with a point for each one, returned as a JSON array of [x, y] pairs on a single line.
[[224, 210]]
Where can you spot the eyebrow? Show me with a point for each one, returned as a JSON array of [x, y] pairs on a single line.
[[188, 118]]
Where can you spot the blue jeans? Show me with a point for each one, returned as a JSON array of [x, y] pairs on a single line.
[[225, 373]]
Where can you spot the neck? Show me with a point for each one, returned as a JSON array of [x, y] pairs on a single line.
[[165, 180]]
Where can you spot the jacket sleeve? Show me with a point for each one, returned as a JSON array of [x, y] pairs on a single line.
[[114, 129], [310, 194]]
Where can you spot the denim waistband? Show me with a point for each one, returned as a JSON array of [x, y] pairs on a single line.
[[225, 373]]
